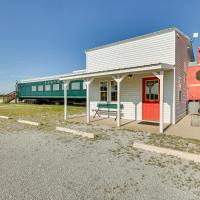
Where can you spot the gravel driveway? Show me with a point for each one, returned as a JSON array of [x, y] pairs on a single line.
[[44, 164]]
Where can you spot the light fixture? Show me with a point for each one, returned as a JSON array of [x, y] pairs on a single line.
[[129, 76]]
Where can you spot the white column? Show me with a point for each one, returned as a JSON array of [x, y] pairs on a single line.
[[119, 79], [161, 77], [118, 104], [161, 101], [174, 97], [88, 82], [65, 99]]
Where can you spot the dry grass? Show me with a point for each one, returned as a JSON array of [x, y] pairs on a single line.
[[50, 114]]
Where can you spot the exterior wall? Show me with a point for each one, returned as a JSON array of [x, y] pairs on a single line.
[[131, 96], [155, 49], [182, 62]]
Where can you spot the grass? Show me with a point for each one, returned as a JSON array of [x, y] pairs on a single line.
[[41, 113]]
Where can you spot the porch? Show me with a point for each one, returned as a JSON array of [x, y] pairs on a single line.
[[150, 127], [130, 84]]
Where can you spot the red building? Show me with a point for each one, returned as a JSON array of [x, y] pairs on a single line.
[[194, 80]]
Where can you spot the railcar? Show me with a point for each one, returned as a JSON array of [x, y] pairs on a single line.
[[193, 86], [50, 90]]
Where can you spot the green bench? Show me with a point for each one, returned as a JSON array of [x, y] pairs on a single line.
[[106, 108]]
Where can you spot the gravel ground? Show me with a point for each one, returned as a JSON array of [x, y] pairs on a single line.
[[40, 163]]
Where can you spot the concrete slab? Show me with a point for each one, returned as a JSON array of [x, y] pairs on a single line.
[[167, 151], [125, 124], [184, 129], [76, 132], [28, 122]]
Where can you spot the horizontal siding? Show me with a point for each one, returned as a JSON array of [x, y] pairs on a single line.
[[155, 49], [131, 96], [182, 62]]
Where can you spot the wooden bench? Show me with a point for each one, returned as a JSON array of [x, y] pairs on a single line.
[[106, 108]]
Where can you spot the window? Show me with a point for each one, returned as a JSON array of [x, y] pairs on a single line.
[[180, 96], [63, 86], [151, 90], [33, 88], [40, 88], [198, 75], [75, 86], [47, 87], [113, 91], [84, 85], [103, 91], [55, 87]]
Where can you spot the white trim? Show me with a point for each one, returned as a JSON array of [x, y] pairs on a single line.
[[120, 71]]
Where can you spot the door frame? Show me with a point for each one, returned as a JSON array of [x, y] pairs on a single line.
[[144, 79]]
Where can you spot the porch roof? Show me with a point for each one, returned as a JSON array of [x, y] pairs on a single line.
[[144, 68]]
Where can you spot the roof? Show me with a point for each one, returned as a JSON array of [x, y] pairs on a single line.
[[139, 38], [49, 78], [128, 70]]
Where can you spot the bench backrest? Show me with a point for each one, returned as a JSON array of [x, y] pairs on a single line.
[[108, 105]]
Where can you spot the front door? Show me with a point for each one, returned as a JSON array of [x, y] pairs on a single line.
[[151, 99]]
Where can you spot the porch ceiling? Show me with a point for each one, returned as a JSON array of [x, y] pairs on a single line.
[[139, 69]]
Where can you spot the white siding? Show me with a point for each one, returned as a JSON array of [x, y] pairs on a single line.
[[131, 96], [146, 51], [182, 62]]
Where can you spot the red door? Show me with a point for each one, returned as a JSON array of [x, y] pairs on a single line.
[[151, 99]]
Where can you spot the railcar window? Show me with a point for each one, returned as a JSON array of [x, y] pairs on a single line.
[[198, 75], [33, 88], [40, 88], [63, 86], [55, 87], [47, 87], [84, 85], [75, 86]]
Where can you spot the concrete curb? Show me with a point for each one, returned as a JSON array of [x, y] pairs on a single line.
[[28, 122], [4, 117], [171, 152], [75, 132]]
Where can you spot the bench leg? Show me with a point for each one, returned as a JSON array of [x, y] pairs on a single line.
[[96, 113]]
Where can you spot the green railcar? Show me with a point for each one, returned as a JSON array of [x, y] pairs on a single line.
[[51, 91]]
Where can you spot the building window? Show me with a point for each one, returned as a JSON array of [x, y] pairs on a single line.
[[198, 75], [75, 86], [113, 91], [180, 95], [33, 88], [103, 91], [47, 87], [55, 87], [151, 93]]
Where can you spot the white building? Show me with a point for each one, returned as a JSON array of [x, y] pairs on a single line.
[[146, 75]]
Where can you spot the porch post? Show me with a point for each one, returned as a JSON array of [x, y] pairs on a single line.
[[88, 82], [65, 99], [161, 101], [119, 79], [161, 77]]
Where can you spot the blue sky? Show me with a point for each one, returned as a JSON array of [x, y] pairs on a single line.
[[48, 37]]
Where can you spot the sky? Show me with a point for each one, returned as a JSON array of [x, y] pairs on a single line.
[[49, 37]]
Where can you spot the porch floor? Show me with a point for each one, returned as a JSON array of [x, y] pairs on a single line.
[[151, 127], [183, 128]]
